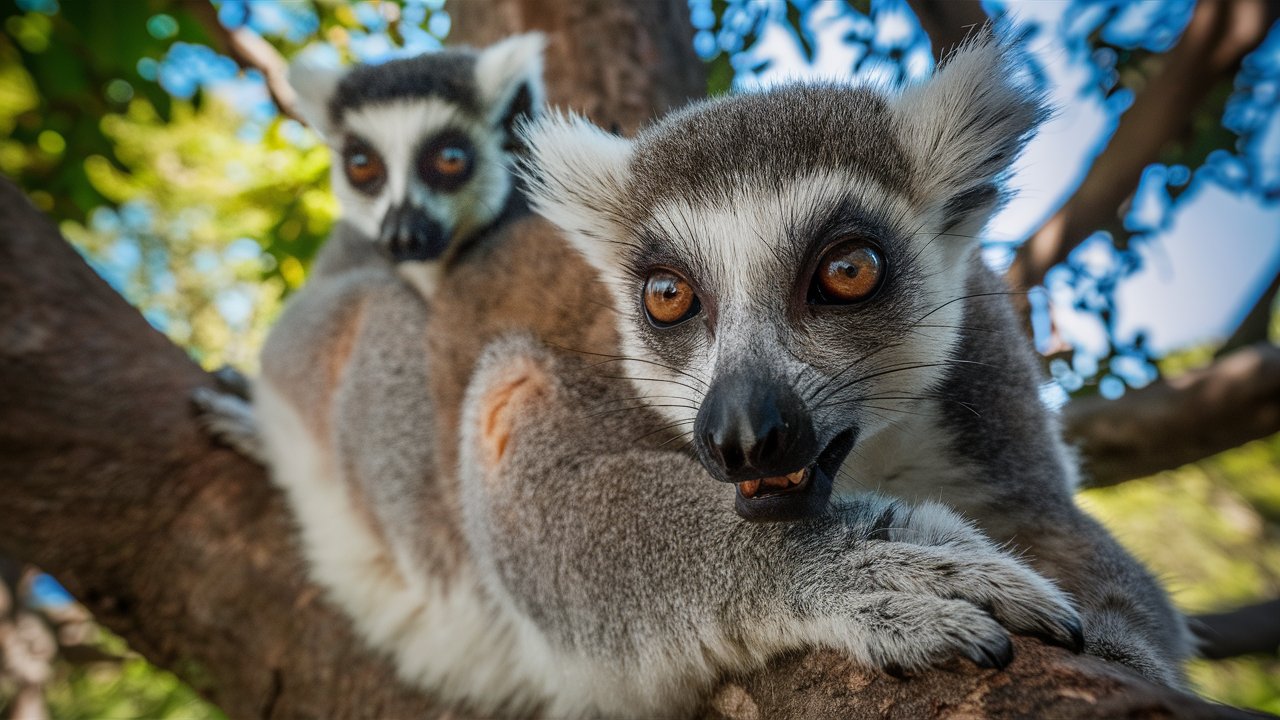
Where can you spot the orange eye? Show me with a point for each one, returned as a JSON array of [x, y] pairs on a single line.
[[848, 272], [446, 162], [452, 161], [364, 168], [669, 299]]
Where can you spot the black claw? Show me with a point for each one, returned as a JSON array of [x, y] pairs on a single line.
[[1067, 634], [896, 671], [993, 658], [1076, 631]]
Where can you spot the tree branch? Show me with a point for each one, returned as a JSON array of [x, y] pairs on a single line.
[[948, 22], [1173, 422], [1256, 324], [1216, 39], [1246, 630], [252, 52]]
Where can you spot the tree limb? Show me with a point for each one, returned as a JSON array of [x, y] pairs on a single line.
[[1256, 323], [1216, 39], [1245, 630], [948, 22], [1173, 422], [251, 52]]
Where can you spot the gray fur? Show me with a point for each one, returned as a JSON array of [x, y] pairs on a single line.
[[619, 551], [741, 195]]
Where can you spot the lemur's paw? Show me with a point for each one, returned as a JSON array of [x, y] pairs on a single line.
[[937, 552], [233, 382], [229, 419], [1024, 601], [911, 633]]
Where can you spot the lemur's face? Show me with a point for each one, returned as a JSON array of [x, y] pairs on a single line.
[[790, 267], [423, 147]]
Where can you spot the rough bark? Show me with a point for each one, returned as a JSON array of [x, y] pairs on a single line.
[[185, 549], [1181, 420], [1219, 35], [619, 63]]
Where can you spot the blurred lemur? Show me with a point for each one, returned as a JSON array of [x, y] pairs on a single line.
[[501, 502], [423, 151]]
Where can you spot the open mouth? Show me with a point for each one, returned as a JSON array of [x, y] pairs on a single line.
[[796, 495]]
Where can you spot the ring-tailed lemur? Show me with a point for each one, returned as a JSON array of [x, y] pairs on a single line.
[[799, 288], [422, 151]]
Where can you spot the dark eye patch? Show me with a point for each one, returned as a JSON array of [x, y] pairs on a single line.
[[363, 166], [447, 161]]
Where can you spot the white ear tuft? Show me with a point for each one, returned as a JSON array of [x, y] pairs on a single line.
[[966, 125], [509, 76], [576, 175], [314, 75]]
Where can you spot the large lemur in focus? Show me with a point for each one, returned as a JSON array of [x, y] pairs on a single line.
[[500, 500]]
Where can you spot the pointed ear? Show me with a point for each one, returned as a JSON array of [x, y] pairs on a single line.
[[315, 78], [576, 175], [509, 76], [965, 126]]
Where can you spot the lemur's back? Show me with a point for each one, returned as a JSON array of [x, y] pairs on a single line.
[[524, 278]]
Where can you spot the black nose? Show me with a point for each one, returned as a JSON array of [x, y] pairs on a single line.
[[748, 427], [408, 233]]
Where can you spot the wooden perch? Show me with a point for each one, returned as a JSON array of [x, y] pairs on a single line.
[[1173, 422], [186, 550], [251, 52]]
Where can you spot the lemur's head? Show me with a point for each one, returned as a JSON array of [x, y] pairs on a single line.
[[423, 146], [789, 263]]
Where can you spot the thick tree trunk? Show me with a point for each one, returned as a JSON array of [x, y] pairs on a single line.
[[619, 63]]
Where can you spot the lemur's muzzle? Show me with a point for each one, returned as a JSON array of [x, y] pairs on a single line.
[[408, 233], [759, 435]]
